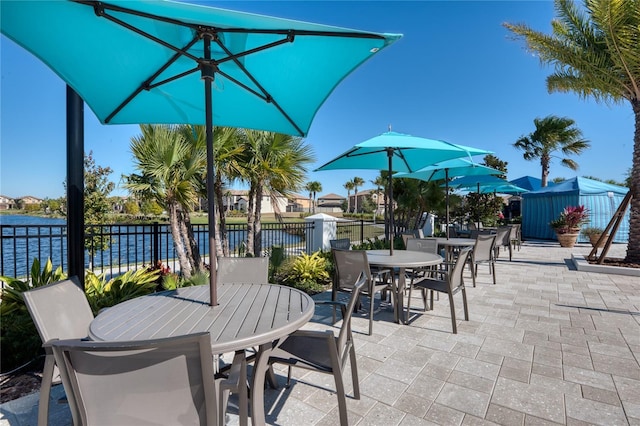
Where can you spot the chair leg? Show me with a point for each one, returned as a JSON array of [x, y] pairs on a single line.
[[453, 313], [492, 266], [354, 373], [371, 296], [464, 302], [473, 275], [432, 299], [342, 398], [45, 390], [409, 303], [424, 298]]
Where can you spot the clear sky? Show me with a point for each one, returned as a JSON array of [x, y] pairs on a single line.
[[455, 75]]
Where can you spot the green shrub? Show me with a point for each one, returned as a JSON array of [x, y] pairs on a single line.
[[103, 294], [19, 339], [309, 273]]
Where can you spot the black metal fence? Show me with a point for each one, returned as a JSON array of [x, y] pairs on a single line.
[[116, 248]]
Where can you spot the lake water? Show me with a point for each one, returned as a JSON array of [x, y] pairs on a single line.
[[27, 237]]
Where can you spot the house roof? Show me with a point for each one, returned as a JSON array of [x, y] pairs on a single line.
[[332, 196], [578, 185]]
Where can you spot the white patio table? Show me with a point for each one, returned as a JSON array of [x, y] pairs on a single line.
[[401, 259], [247, 315]]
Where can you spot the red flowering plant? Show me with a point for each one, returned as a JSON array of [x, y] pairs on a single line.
[[570, 219]]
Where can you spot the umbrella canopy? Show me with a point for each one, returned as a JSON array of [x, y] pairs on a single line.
[[507, 188], [398, 152], [145, 62], [446, 170], [472, 182]]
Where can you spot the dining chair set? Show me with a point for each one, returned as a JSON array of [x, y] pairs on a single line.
[[171, 380]]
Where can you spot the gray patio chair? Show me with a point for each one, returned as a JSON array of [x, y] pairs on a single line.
[[516, 237], [503, 239], [483, 252], [348, 266], [60, 311], [406, 236], [253, 270], [340, 243], [450, 282], [425, 245], [165, 381], [322, 352]]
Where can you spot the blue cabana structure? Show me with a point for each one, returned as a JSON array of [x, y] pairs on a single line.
[[601, 200], [529, 183]]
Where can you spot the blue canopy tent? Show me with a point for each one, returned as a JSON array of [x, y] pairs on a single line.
[[529, 183], [600, 199]]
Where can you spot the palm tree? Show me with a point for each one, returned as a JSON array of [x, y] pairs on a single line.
[[349, 187], [313, 188], [275, 166], [552, 134], [379, 182], [357, 181], [595, 54], [171, 170]]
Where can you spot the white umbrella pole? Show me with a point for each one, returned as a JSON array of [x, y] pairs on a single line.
[[446, 186]]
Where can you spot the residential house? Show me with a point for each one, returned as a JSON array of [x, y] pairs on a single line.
[[376, 196], [299, 203], [28, 200], [7, 203], [330, 203]]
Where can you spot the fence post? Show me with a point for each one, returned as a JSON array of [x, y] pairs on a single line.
[[362, 230], [156, 243]]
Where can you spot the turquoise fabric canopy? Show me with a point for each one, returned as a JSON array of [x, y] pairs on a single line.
[[398, 152], [143, 61], [167, 62], [450, 169]]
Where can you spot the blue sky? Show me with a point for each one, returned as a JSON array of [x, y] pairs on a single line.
[[455, 75]]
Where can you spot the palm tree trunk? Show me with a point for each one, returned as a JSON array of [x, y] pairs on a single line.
[[544, 162], [257, 239], [193, 251], [222, 232], [633, 247], [250, 219], [178, 242]]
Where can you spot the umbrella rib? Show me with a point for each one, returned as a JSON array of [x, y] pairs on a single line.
[[146, 85], [267, 96], [99, 8]]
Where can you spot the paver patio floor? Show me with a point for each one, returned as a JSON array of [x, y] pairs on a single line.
[[546, 345]]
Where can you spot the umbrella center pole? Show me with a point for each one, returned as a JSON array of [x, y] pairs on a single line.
[[392, 230], [208, 74]]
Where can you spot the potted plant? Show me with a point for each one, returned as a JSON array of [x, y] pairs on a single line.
[[594, 233], [567, 224]]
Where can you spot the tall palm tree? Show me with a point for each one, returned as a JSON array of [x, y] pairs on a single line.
[[552, 134], [170, 171], [379, 182], [595, 54], [228, 157], [349, 187], [276, 166], [357, 181], [313, 187]]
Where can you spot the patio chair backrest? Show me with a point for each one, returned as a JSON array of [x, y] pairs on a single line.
[[425, 245], [406, 236], [418, 233], [455, 277], [345, 338], [340, 243], [503, 236], [349, 264], [161, 381], [514, 232], [253, 270], [59, 310], [483, 248]]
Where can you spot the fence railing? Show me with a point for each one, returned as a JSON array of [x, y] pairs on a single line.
[[116, 248]]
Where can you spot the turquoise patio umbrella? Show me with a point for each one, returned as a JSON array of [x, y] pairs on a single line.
[[446, 170], [398, 152], [168, 62]]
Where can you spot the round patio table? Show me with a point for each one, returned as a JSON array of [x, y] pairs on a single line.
[[401, 259], [454, 243], [247, 315]]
